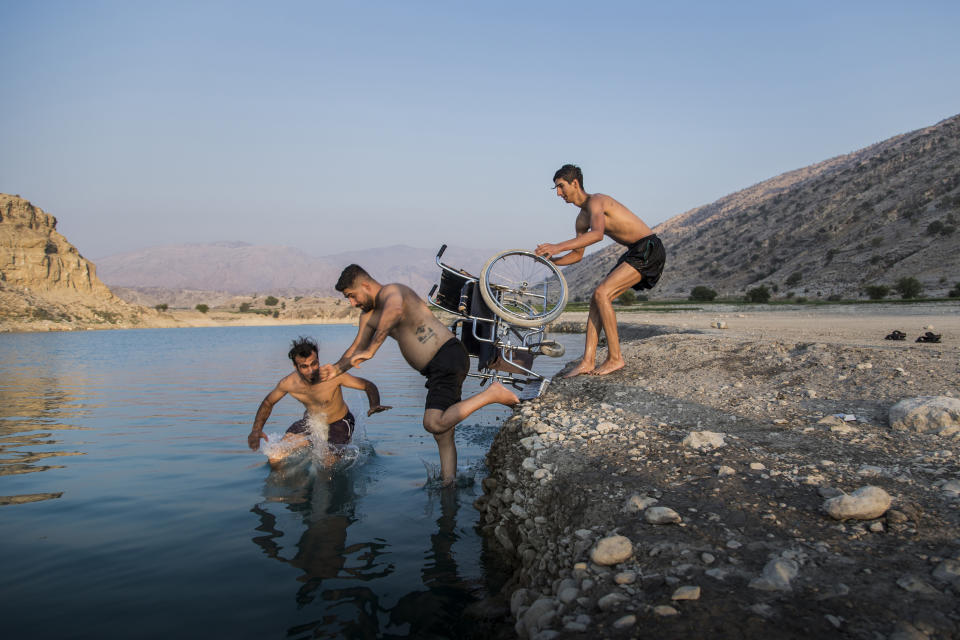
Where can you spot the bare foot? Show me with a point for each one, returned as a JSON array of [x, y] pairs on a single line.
[[580, 369], [609, 366], [502, 395]]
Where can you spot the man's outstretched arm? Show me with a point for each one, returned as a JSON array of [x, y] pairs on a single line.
[[364, 332], [266, 407], [373, 394]]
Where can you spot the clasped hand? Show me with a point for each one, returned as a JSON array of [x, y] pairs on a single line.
[[546, 250]]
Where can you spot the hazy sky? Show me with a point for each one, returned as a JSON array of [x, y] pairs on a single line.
[[333, 126]]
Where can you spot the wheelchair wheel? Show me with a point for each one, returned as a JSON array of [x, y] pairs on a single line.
[[522, 288]]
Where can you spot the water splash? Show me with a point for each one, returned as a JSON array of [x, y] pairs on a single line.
[[466, 476], [313, 447]]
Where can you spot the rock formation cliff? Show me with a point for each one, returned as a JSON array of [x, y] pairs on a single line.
[[44, 281]]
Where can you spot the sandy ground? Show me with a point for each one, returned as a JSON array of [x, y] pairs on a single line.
[[752, 551], [865, 324]]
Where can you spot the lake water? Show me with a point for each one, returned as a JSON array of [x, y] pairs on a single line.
[[130, 505]]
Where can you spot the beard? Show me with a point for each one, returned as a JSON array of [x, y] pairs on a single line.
[[313, 378], [366, 306]]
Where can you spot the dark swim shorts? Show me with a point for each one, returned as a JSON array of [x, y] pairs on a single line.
[[445, 374], [339, 432], [647, 256]]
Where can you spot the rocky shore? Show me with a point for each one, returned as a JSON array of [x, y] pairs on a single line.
[[732, 484]]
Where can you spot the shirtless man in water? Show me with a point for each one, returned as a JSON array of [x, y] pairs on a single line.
[[323, 401], [395, 310], [639, 267]]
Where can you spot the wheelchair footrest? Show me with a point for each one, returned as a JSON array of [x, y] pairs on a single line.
[[532, 389]]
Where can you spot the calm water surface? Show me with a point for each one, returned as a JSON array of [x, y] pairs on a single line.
[[130, 505]]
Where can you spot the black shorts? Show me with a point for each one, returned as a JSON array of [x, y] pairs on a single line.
[[339, 432], [445, 374], [647, 256]]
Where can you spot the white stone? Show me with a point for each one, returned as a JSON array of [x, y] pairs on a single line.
[[777, 575], [866, 503], [704, 440], [925, 413], [637, 503], [724, 471], [757, 466], [661, 515], [612, 550]]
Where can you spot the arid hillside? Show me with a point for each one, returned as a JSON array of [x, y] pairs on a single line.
[[871, 217]]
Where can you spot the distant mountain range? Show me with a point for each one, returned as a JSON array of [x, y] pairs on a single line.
[[889, 211], [241, 268]]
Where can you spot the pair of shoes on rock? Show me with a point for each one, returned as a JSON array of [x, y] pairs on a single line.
[[896, 334], [930, 336]]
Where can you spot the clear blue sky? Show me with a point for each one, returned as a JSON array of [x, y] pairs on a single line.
[[333, 126]]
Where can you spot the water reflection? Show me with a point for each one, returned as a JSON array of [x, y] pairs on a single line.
[[326, 504], [436, 610], [31, 408]]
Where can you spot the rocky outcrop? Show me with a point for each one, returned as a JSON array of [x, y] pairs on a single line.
[[33, 255], [44, 281], [706, 490]]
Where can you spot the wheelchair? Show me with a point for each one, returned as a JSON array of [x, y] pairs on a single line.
[[501, 315]]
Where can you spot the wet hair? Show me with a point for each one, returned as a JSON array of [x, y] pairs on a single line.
[[350, 276], [302, 347], [569, 172]]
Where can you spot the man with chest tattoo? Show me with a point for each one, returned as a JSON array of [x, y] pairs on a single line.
[[395, 310]]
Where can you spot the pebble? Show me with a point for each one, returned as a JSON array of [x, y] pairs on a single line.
[[665, 610], [948, 571], [724, 471], [707, 558], [612, 550], [686, 593], [568, 595], [913, 584], [866, 503], [704, 440], [777, 575], [757, 466], [661, 515], [625, 577], [626, 621], [637, 503], [611, 601]]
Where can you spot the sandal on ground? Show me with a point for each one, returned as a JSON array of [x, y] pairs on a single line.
[[930, 336], [896, 334]]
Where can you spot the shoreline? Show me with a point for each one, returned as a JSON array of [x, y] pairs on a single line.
[[744, 547]]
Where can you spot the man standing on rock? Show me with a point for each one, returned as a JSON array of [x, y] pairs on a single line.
[[395, 310], [639, 267]]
